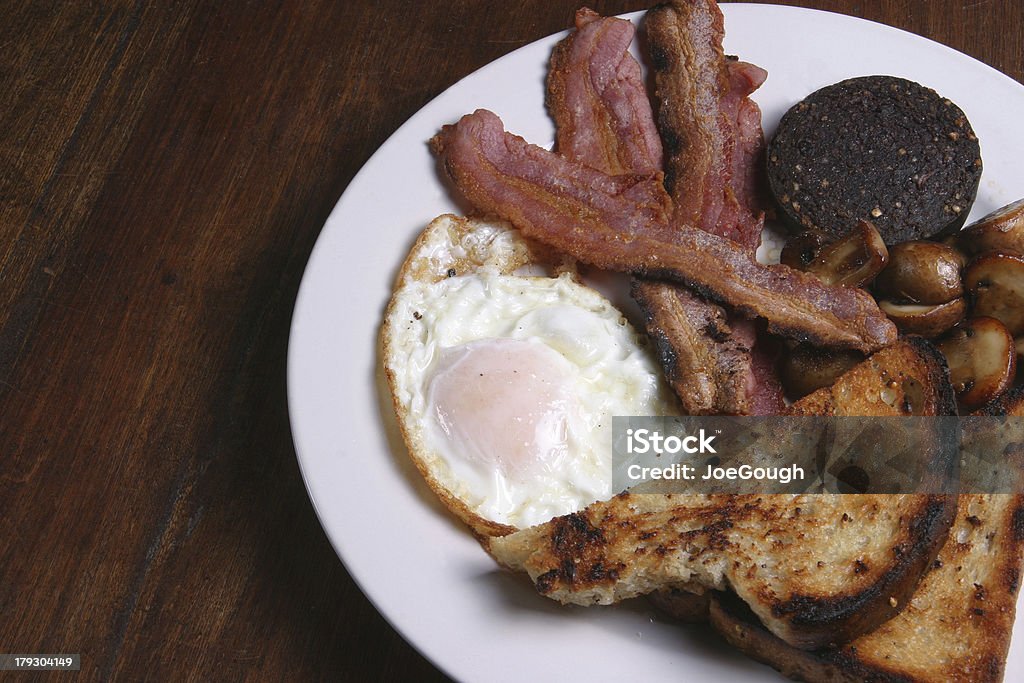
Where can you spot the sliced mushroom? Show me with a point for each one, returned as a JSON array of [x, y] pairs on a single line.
[[1001, 230], [995, 286], [927, 321], [982, 360], [806, 368], [921, 273], [852, 261], [803, 249]]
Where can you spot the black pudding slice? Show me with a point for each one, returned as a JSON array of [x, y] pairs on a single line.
[[878, 148]]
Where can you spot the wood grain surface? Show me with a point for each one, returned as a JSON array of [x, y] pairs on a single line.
[[165, 168]]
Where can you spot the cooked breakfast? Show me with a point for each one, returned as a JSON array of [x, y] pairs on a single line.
[[506, 367]]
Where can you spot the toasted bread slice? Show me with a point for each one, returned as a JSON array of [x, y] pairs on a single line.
[[909, 378], [816, 569], [956, 626]]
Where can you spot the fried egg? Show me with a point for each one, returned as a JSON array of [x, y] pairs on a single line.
[[505, 373]]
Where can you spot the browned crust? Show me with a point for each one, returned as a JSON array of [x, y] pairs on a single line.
[[929, 390], [705, 365], [844, 617], [851, 615], [591, 548], [734, 621], [870, 658]]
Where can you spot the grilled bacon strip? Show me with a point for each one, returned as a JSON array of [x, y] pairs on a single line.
[[746, 185], [713, 148], [595, 93], [710, 128], [623, 223], [603, 119], [706, 364]]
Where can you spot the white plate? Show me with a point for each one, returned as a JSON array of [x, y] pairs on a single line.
[[422, 570]]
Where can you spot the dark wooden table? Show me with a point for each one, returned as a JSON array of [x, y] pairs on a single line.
[[164, 171]]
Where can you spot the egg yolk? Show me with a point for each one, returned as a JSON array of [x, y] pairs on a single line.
[[503, 403]]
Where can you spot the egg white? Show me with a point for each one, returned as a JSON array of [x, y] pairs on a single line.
[[593, 366]]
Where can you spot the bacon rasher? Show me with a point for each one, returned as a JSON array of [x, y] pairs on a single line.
[[596, 95], [603, 118], [623, 223], [714, 144]]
